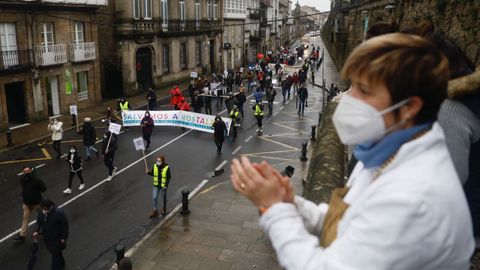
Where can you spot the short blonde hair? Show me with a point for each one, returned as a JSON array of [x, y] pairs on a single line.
[[407, 65]]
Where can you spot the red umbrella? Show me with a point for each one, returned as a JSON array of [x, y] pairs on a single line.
[[260, 56]]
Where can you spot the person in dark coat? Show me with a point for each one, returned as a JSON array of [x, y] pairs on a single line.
[[197, 102], [219, 132], [241, 99], [302, 98], [151, 99], [75, 164], [109, 154], [229, 102], [89, 137], [32, 189], [271, 93], [52, 223], [147, 128]]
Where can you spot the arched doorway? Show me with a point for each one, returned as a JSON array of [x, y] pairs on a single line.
[[143, 66]]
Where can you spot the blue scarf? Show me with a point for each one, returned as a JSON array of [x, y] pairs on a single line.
[[375, 154]]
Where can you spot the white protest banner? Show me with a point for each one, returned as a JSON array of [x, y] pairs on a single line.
[[197, 121], [73, 109], [193, 74], [138, 142], [114, 128], [291, 69]]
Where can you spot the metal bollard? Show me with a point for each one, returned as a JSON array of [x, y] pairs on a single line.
[[304, 152], [9, 138], [120, 253], [74, 120], [313, 133], [185, 210]]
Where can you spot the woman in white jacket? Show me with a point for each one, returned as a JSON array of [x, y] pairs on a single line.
[[403, 206], [55, 127]]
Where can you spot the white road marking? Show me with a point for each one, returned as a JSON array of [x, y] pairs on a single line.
[[100, 183], [236, 150], [221, 165], [249, 138]]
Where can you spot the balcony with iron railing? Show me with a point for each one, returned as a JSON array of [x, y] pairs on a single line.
[[166, 27], [70, 2], [79, 52], [254, 14], [15, 60], [51, 55]]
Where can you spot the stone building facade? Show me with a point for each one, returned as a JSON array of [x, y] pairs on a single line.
[[235, 14], [162, 42], [349, 20], [49, 59]]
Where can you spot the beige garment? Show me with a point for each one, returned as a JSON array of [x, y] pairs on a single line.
[[27, 211]]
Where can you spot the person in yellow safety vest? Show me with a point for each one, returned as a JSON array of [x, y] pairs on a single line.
[[259, 115], [123, 105], [235, 116], [161, 179]]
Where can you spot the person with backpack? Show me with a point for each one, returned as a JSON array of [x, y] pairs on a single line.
[[75, 164]]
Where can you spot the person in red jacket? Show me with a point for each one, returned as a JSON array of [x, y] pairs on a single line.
[[175, 95], [183, 105]]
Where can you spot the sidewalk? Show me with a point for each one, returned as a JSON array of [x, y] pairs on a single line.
[[38, 130], [221, 232]]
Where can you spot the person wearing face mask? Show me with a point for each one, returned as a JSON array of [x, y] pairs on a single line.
[[52, 224], [55, 127], [403, 206], [109, 146], [32, 189], [147, 128], [161, 179], [219, 131], [75, 164]]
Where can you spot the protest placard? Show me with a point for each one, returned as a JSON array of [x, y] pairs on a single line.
[[114, 128]]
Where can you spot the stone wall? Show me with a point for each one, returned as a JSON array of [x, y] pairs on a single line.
[[327, 165], [459, 20]]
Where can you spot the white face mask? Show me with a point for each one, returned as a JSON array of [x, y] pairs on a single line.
[[358, 122], [72, 151], [45, 212], [159, 163]]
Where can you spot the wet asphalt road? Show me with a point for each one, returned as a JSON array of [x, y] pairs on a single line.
[[109, 213]]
